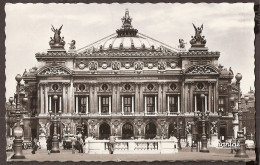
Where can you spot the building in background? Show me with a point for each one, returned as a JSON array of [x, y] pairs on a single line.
[[128, 85]]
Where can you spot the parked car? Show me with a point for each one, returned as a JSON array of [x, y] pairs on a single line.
[[250, 144]]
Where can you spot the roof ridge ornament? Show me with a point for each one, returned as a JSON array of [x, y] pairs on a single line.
[[126, 30], [198, 41]]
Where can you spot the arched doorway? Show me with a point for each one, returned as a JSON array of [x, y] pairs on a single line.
[[172, 130], [150, 131], [104, 131], [127, 131]]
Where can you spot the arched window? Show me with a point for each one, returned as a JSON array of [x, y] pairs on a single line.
[[104, 131], [127, 131], [150, 131]]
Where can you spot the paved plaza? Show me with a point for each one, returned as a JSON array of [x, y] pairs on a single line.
[[184, 155]]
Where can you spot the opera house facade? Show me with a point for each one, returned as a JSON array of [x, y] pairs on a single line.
[[129, 85]]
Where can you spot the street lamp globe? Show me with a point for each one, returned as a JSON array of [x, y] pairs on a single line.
[[18, 78], [11, 100], [232, 98], [25, 100], [246, 98], [55, 97], [202, 96], [238, 77]]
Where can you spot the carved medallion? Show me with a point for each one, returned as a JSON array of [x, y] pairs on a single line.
[[93, 65], [82, 65]]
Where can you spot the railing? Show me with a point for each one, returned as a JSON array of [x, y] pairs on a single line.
[[132, 146]]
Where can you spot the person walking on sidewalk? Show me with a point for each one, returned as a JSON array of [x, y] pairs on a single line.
[[73, 144], [81, 145], [34, 145], [49, 144], [112, 142]]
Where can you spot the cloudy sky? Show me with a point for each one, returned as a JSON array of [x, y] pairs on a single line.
[[228, 29]]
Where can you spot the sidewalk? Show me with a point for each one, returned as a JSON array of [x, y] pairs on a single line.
[[183, 155]]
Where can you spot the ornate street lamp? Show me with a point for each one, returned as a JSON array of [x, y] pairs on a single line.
[[241, 151], [203, 119], [55, 120], [18, 130], [80, 126], [178, 127]]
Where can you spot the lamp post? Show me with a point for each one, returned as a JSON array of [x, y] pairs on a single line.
[[203, 119], [9, 118], [55, 120], [18, 130], [178, 127], [79, 127], [241, 151]]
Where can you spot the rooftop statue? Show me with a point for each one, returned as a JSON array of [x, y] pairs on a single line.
[[198, 40], [57, 41], [182, 44]]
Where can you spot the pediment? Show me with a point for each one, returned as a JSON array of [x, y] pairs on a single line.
[[54, 70], [201, 69]]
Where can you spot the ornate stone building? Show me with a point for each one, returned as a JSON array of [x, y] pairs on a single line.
[[128, 85]]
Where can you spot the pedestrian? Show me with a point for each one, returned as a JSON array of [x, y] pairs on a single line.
[[81, 145], [73, 143], [111, 143], [49, 144], [34, 145]]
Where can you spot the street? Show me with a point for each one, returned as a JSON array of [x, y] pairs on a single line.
[[184, 154]]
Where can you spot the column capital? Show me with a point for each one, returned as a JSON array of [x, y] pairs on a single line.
[[189, 82], [211, 82]]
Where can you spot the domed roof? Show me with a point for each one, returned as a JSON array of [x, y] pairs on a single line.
[[127, 39]]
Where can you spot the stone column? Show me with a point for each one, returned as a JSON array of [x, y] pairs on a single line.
[[118, 107], [49, 109], [77, 104], [42, 98], [145, 107], [179, 104], [95, 100], [214, 99], [206, 103], [141, 103], [91, 98], [159, 98], [122, 107], [133, 105], [137, 92], [217, 84], [155, 104], [65, 98], [164, 100], [114, 98], [72, 98], [46, 98], [87, 105], [210, 96], [60, 104], [191, 98], [196, 105], [168, 104], [183, 97], [99, 105], [186, 98], [110, 102]]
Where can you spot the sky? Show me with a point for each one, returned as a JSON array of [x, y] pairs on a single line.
[[228, 28]]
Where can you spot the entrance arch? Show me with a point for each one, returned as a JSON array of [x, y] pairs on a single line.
[[104, 131], [150, 131], [127, 131], [172, 130]]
